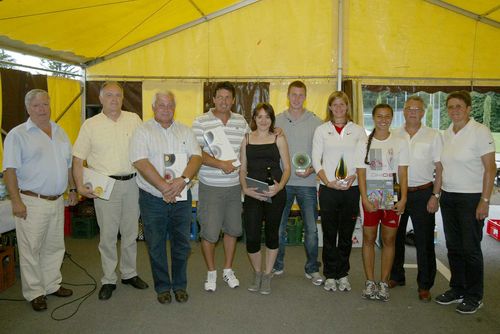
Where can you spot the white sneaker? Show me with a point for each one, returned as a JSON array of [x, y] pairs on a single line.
[[370, 290], [211, 282], [277, 272], [344, 284], [230, 278], [383, 292], [315, 278], [330, 285]]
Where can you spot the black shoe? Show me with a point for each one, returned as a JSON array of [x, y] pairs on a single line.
[[181, 296], [449, 297], [136, 282], [164, 297], [469, 306], [106, 291]]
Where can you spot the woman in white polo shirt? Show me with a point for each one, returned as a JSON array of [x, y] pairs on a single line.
[[382, 160], [334, 143], [468, 160]]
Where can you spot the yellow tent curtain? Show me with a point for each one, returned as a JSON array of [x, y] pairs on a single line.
[[62, 91]]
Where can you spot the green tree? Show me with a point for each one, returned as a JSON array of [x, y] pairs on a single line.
[[60, 69], [428, 116], [6, 57]]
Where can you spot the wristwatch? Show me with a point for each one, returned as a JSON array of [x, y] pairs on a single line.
[[486, 200], [186, 179], [437, 195]]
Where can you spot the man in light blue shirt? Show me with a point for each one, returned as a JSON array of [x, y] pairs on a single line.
[[37, 162]]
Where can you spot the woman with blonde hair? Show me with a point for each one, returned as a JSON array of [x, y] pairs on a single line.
[[333, 158]]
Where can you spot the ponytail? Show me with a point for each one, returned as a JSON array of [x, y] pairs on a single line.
[[368, 144]]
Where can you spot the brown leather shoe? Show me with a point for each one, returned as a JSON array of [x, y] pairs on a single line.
[[39, 303], [181, 296], [62, 292], [392, 283], [424, 295], [164, 297]]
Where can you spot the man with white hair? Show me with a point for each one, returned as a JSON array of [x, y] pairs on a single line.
[[37, 162], [103, 142], [163, 213]]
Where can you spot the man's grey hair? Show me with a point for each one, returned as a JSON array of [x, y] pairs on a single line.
[[110, 83], [32, 94], [162, 93], [416, 98]]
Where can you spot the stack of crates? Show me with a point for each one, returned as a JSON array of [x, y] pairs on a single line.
[[84, 227], [7, 271], [83, 221], [295, 231]]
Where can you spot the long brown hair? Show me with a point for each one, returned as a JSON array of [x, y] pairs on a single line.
[[370, 137], [268, 108]]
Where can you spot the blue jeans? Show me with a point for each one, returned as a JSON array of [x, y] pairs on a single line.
[[162, 220], [308, 203]]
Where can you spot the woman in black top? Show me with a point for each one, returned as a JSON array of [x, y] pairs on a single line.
[[261, 154]]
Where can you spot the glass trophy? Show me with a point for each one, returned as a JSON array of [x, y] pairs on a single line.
[[341, 172], [301, 161]]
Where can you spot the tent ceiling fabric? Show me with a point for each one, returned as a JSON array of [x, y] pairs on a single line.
[[81, 32], [61, 30]]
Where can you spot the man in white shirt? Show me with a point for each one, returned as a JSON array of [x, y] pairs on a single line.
[[103, 142], [37, 162], [163, 212], [424, 186]]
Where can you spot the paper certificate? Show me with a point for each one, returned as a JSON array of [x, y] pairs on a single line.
[[173, 167], [220, 146], [102, 185]]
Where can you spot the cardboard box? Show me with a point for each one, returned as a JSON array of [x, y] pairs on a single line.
[[493, 228], [7, 271]]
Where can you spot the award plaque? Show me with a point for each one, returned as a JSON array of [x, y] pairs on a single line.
[[341, 172], [301, 161], [173, 167]]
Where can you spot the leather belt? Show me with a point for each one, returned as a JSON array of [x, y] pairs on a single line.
[[30, 193], [421, 187], [122, 177]]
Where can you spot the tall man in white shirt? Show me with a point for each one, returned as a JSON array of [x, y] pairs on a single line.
[[299, 125], [103, 142], [162, 212], [219, 206], [424, 187], [37, 162]]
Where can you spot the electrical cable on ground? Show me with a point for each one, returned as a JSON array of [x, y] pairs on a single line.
[[81, 299]]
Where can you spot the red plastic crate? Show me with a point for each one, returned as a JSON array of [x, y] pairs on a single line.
[[493, 228], [67, 221]]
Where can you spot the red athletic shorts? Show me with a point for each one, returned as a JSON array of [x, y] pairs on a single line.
[[388, 218]]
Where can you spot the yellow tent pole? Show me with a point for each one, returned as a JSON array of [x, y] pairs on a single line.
[[69, 105]]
